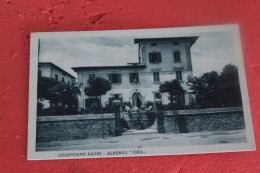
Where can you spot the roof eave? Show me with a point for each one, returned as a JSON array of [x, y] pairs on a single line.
[[193, 39], [76, 69]]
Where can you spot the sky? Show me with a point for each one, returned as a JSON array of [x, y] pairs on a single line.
[[212, 51]]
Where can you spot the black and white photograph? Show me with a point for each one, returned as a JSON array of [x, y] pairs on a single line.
[[137, 92]]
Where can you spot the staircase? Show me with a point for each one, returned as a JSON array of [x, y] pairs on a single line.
[[150, 130], [154, 126]]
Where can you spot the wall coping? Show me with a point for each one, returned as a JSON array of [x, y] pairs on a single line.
[[110, 116], [76, 117], [203, 111]]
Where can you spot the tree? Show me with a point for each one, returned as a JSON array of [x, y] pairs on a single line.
[[206, 89], [214, 90], [97, 87], [64, 93], [58, 92], [230, 88], [175, 91], [44, 86]]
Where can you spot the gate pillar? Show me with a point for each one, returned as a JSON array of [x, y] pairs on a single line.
[[159, 115], [118, 128]]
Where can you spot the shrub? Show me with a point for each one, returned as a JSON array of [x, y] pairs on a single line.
[[148, 104], [126, 104]]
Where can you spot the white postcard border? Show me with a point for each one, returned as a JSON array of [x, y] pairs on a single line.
[[173, 150]]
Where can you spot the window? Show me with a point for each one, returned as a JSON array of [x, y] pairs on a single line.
[[91, 75], [115, 78], [153, 44], [177, 56], [68, 82], [179, 75], [157, 96], [155, 57], [134, 78], [176, 43], [156, 76], [56, 77], [62, 79]]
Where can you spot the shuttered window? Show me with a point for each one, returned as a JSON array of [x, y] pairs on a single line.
[[134, 77], [155, 57], [115, 78]]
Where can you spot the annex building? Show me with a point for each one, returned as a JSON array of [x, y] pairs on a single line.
[[51, 70], [160, 59]]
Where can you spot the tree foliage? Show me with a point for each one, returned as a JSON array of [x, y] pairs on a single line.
[[97, 86], [230, 88], [44, 86], [206, 89], [175, 91], [214, 90], [57, 92], [65, 93]]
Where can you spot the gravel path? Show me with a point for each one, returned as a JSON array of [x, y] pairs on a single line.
[[147, 140]]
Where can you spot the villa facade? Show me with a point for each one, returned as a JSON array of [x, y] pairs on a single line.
[[160, 59]]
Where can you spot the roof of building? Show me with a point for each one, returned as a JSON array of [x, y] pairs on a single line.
[[136, 66], [192, 39], [51, 64]]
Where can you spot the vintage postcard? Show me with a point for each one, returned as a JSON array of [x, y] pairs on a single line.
[[141, 92]]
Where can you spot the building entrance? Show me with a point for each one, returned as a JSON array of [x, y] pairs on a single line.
[[137, 99]]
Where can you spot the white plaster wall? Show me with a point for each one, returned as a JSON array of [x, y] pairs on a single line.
[[146, 87], [48, 70], [45, 70], [60, 75]]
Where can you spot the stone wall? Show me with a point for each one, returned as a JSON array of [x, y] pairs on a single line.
[[204, 120], [57, 128]]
